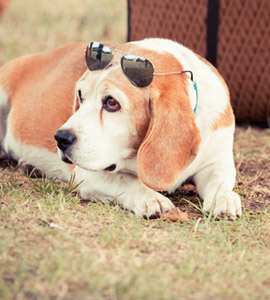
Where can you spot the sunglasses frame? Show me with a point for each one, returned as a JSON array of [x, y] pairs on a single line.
[[100, 45]]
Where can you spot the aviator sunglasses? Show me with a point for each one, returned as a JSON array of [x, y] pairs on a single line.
[[138, 70]]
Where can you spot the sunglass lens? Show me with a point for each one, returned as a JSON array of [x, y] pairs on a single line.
[[97, 56], [138, 70]]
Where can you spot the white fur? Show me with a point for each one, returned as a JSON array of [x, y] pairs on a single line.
[[100, 143], [214, 173], [125, 189], [40, 158], [104, 138]]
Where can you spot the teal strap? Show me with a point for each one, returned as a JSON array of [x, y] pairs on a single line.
[[196, 90]]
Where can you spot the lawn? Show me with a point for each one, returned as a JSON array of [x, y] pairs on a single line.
[[55, 246]]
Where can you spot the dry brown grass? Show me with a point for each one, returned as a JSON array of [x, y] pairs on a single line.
[[252, 156]]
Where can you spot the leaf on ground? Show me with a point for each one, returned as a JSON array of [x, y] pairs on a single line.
[[175, 215]]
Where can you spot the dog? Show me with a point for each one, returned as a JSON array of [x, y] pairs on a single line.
[[146, 117]]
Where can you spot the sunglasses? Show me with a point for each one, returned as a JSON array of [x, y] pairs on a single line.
[[138, 70]]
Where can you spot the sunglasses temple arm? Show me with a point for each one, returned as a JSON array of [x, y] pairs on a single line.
[[179, 72], [191, 77], [191, 74]]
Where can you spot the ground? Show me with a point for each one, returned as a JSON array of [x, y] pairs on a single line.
[[55, 246]]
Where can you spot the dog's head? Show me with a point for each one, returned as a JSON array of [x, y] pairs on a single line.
[[114, 121]]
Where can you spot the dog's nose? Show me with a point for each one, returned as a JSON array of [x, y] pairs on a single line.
[[64, 139]]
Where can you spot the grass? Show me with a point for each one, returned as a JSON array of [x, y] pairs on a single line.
[[55, 246]]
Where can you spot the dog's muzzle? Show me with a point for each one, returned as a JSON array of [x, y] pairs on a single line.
[[65, 139]]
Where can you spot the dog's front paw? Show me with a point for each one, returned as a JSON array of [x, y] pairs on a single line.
[[225, 202], [149, 206]]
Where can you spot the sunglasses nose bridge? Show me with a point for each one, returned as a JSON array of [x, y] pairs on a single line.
[[116, 58]]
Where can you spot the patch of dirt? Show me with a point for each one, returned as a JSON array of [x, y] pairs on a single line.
[[252, 159]]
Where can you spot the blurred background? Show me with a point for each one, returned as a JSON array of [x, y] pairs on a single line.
[[28, 26], [234, 35]]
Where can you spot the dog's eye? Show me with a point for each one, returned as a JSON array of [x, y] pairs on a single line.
[[80, 96], [110, 104]]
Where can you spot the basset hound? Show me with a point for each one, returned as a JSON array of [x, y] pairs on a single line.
[[146, 117]]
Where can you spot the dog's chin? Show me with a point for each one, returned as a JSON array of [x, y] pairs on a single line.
[[109, 169], [67, 161], [112, 168], [64, 157]]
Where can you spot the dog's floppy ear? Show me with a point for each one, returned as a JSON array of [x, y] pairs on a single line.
[[76, 98], [172, 140]]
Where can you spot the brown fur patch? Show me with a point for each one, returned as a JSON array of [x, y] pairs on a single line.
[[225, 119], [41, 89]]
